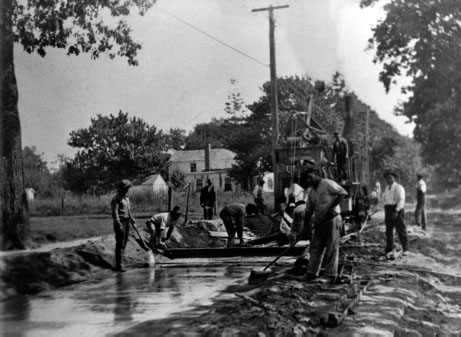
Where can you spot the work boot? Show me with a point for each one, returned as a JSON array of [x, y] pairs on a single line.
[[327, 280]]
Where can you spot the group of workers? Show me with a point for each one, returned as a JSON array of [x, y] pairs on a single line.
[[314, 209]]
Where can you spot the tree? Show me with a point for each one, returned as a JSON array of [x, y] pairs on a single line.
[[176, 139], [177, 179], [37, 175], [76, 26], [214, 133], [420, 39], [115, 148]]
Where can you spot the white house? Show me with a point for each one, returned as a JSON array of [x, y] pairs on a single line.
[[154, 183], [200, 165]]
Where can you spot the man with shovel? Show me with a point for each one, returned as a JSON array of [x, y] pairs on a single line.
[[322, 204], [122, 217], [160, 227]]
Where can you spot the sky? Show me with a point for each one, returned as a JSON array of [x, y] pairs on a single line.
[[191, 50]]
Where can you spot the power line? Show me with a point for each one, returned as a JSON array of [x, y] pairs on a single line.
[[213, 38]]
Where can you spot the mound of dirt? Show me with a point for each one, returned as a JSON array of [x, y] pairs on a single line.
[[30, 273]]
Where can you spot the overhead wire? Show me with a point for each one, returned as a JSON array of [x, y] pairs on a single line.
[[213, 38]]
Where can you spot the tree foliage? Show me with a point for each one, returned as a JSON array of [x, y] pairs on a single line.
[[114, 148], [250, 137], [76, 26], [420, 39], [37, 175]]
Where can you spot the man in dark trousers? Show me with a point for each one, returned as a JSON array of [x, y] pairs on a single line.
[[258, 196], [340, 154], [122, 217], [324, 197], [207, 200], [394, 213], [233, 216], [420, 211]]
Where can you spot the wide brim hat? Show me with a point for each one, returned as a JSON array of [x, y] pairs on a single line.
[[390, 173]]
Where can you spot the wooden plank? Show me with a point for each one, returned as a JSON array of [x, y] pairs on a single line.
[[185, 253]]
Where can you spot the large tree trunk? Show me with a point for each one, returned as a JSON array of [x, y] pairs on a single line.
[[14, 213]]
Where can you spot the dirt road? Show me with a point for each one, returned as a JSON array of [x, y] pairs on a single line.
[[390, 300]]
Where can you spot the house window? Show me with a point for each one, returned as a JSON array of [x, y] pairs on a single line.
[[193, 167], [199, 184], [227, 184]]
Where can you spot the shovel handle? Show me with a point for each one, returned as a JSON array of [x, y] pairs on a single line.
[[143, 245], [281, 254]]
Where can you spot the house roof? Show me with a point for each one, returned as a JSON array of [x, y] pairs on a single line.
[[219, 158], [154, 179]]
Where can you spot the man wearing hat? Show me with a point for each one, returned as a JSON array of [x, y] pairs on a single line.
[[208, 200], [160, 227], [340, 155], [394, 213], [258, 196], [322, 204], [121, 216]]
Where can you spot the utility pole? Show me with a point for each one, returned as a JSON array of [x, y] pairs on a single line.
[[274, 100], [366, 163]]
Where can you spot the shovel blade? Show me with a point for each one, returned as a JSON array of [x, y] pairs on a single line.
[[258, 276]]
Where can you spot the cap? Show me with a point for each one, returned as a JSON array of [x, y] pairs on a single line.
[[175, 210], [390, 173], [123, 184]]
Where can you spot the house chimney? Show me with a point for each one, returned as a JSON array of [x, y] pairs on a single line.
[[207, 157]]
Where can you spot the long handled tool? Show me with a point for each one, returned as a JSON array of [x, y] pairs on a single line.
[[261, 275], [257, 276], [149, 259]]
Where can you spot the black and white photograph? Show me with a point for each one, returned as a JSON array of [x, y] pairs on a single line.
[[230, 168]]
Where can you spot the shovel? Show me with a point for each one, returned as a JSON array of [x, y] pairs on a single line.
[[261, 275], [150, 258], [257, 276]]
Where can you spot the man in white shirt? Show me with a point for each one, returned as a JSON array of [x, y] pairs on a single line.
[[420, 211], [160, 227], [394, 213]]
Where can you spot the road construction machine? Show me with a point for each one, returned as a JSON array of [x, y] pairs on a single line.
[[304, 140]]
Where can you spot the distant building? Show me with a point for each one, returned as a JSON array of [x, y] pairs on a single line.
[[154, 183], [200, 165]]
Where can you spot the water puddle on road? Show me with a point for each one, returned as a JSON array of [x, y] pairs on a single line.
[[117, 302]]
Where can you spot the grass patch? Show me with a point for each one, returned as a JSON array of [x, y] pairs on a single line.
[[88, 216]]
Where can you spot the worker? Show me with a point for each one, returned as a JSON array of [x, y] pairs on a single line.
[[323, 199], [394, 203], [374, 198], [340, 154], [282, 219], [258, 196], [420, 211], [233, 216], [207, 200], [295, 191], [160, 227], [121, 215]]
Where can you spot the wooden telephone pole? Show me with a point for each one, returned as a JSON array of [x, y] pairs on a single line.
[[274, 100]]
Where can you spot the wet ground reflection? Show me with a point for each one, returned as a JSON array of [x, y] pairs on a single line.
[[116, 302]]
